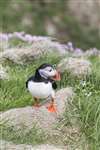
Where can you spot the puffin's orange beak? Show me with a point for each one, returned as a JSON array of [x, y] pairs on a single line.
[[57, 76]]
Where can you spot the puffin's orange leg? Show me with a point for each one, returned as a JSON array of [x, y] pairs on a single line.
[[36, 102], [52, 107]]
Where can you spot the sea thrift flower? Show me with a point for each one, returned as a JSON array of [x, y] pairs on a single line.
[[19, 36], [3, 37], [28, 38], [65, 46], [78, 50], [92, 52], [59, 47]]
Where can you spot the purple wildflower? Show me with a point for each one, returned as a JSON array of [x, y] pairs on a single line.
[[3, 37], [78, 50], [18, 35], [60, 47], [28, 38], [65, 46]]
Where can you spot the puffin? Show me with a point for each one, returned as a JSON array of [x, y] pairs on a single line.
[[42, 85]]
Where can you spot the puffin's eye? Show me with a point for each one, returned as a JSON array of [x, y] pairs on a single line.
[[50, 70]]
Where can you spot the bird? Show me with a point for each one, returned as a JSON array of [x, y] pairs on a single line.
[[43, 84]]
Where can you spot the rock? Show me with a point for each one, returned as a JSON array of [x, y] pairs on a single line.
[[3, 73], [77, 66], [38, 48], [4, 145], [47, 147], [30, 116]]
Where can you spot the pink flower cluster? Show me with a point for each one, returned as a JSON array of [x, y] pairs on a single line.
[[30, 39], [21, 36], [70, 47]]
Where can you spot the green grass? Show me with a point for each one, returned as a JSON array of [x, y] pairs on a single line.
[[85, 105], [87, 102]]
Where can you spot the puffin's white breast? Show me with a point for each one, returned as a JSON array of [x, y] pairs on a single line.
[[40, 89]]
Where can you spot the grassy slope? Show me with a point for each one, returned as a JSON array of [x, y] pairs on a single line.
[[86, 103]]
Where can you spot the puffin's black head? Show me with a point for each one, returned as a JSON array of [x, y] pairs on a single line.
[[47, 72]]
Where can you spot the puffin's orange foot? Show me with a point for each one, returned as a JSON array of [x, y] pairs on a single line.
[[52, 108]]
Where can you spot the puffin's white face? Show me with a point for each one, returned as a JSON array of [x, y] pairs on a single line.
[[48, 72]]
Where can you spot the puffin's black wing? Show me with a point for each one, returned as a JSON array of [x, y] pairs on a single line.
[[54, 85], [30, 79]]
